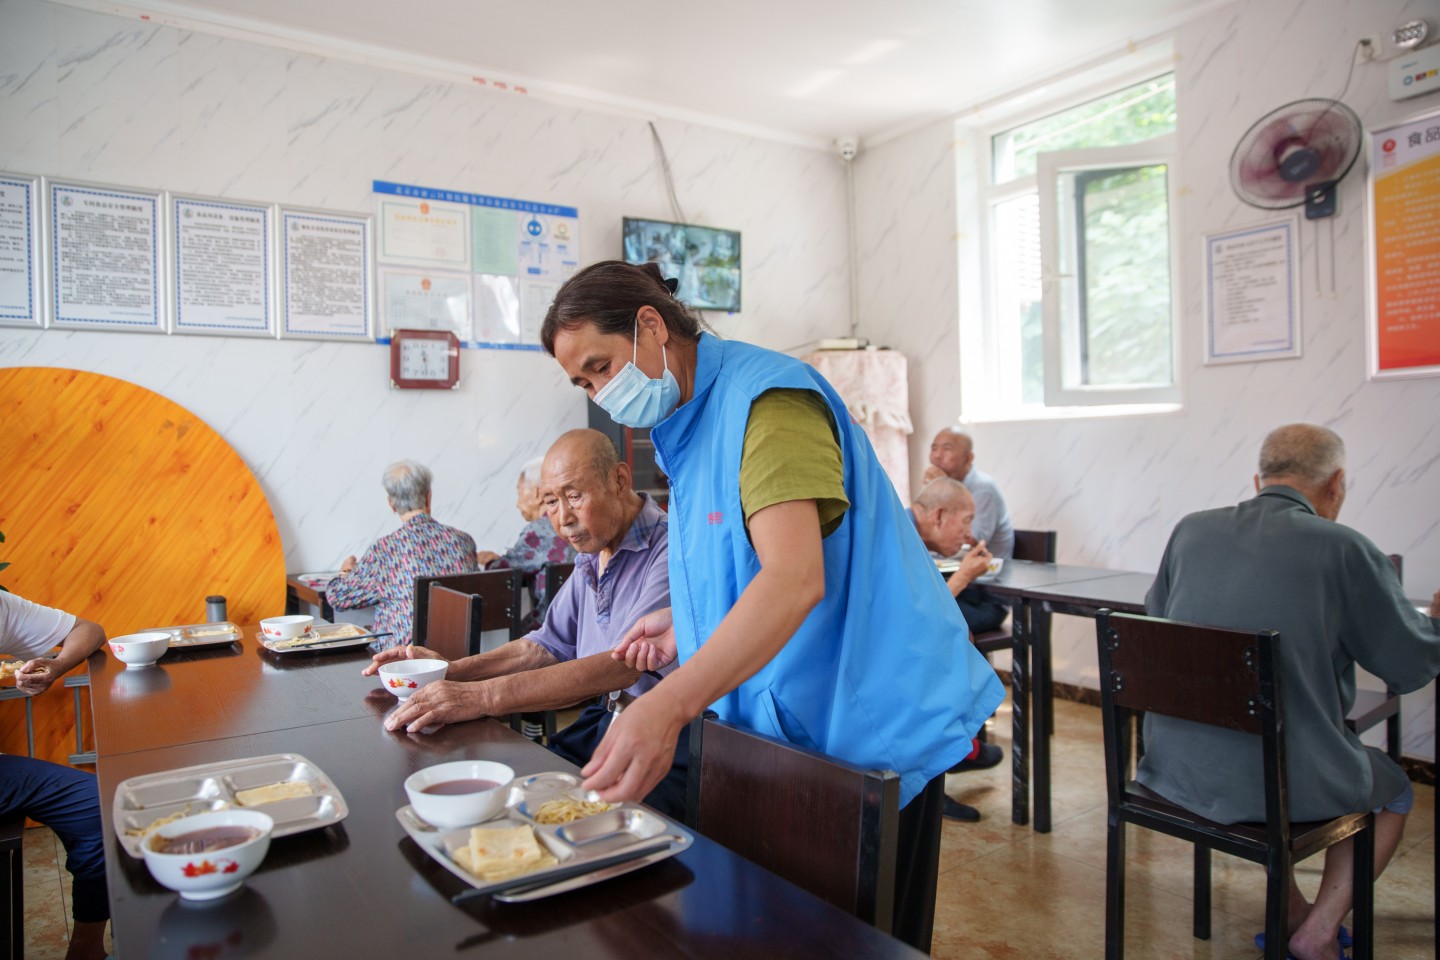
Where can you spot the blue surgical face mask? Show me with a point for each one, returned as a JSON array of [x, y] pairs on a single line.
[[635, 400]]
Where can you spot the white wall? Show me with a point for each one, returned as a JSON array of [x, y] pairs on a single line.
[[109, 99], [1114, 487]]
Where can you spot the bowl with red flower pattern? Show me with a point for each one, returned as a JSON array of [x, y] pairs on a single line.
[[208, 855], [140, 649], [404, 677]]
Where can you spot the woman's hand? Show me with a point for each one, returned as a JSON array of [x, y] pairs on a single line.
[[638, 749], [406, 652], [483, 558], [348, 564], [650, 644]]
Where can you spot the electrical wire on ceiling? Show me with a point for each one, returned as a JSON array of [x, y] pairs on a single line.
[[669, 176]]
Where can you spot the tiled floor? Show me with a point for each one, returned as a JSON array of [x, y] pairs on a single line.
[[1008, 893]]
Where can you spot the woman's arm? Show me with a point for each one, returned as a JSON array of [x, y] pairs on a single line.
[[639, 746]]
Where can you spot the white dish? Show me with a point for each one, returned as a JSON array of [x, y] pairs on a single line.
[[285, 628], [212, 874], [462, 809], [140, 649], [403, 678]]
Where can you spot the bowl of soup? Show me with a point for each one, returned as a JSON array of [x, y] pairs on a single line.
[[140, 649], [285, 628], [210, 854], [459, 793]]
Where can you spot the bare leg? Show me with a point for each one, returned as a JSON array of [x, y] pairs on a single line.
[[1299, 906], [1315, 939], [87, 942]]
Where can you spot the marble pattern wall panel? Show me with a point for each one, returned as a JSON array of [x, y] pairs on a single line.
[[96, 97], [1115, 486]]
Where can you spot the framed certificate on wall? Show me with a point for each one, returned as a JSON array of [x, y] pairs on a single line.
[[325, 275], [223, 259], [105, 257], [1403, 265], [21, 289]]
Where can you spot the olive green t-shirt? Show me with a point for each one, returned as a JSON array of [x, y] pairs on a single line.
[[791, 453]]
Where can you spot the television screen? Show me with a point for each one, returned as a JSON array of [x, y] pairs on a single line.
[[705, 260]]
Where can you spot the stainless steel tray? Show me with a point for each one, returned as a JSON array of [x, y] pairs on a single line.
[[142, 800], [601, 838], [319, 628], [183, 637]]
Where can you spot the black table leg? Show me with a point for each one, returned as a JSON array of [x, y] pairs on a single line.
[[1020, 713], [1042, 711]]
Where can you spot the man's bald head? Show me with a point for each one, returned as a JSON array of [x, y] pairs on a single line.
[[1309, 458], [585, 491], [944, 511], [952, 452], [583, 448]]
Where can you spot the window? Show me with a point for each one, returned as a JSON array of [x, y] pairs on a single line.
[[1079, 239]]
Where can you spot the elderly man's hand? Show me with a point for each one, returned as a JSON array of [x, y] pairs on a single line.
[[405, 652], [348, 564], [439, 703], [650, 644], [483, 558], [35, 676], [932, 472]]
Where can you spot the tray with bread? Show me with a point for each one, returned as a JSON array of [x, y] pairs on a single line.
[[189, 635], [296, 794]]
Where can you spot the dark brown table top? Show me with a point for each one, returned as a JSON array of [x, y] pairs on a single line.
[[362, 888], [217, 692], [1121, 590], [1023, 577]]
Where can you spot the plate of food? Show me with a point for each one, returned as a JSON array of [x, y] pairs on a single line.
[[548, 838], [294, 792], [321, 636], [190, 635]]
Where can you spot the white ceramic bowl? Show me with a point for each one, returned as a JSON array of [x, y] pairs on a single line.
[[285, 628], [206, 876], [404, 677], [140, 649], [463, 809], [993, 567]]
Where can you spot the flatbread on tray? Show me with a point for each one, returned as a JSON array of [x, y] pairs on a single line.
[[499, 853]]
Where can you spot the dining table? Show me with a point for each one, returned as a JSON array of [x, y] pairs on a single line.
[[362, 887]]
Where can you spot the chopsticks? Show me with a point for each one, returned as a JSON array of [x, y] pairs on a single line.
[[566, 873], [325, 641]]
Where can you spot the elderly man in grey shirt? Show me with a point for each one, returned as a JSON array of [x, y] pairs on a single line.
[[1280, 562]]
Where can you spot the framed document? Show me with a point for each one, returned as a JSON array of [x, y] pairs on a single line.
[[20, 245], [105, 257], [423, 232], [325, 264], [412, 300], [224, 262], [1403, 263], [1252, 293]]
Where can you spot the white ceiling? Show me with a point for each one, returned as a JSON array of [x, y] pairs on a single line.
[[803, 70]]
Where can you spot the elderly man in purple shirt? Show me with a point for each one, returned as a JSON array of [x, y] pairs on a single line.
[[620, 538]]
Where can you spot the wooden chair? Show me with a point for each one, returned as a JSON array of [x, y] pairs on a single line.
[[12, 887], [1229, 679], [822, 824], [539, 724], [454, 622], [495, 587], [1038, 545], [555, 576]]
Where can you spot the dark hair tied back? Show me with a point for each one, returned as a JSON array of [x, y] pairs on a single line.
[[609, 294]]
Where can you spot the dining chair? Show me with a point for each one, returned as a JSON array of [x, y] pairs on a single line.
[[454, 622], [1224, 678], [1036, 545], [822, 824], [542, 723], [494, 586], [12, 886]]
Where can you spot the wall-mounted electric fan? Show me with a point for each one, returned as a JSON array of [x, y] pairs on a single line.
[[1297, 154]]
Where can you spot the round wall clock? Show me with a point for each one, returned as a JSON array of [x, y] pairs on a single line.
[[424, 360]]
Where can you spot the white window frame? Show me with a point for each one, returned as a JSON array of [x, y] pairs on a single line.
[[1061, 337], [987, 384]]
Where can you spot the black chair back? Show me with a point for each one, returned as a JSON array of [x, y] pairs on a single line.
[[822, 824], [495, 586], [454, 623], [1036, 545]]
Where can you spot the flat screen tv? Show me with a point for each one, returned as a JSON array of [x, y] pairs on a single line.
[[705, 260]]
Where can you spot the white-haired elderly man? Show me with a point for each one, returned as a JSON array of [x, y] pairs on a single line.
[[423, 547], [1279, 562]]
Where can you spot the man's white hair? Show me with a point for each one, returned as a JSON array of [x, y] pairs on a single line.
[[1301, 451]]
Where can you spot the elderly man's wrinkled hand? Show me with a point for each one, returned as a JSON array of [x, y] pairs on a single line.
[[932, 472], [436, 704], [36, 676], [650, 644], [975, 563], [406, 651]]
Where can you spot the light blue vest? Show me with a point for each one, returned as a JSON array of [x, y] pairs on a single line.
[[882, 673]]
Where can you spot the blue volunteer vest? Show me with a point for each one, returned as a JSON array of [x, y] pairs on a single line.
[[882, 673]]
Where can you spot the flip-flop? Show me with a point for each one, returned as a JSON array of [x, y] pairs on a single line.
[[1344, 939]]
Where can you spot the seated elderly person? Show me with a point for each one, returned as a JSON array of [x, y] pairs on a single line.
[[537, 545], [1280, 562], [952, 454], [64, 799], [943, 514], [422, 547], [620, 575]]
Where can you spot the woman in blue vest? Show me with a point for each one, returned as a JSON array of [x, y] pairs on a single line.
[[805, 606]]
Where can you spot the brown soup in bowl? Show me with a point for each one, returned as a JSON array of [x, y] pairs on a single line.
[[204, 841], [455, 788]]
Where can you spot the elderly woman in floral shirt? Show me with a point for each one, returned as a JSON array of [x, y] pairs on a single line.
[[537, 545]]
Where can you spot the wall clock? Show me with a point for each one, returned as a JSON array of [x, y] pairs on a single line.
[[424, 360]]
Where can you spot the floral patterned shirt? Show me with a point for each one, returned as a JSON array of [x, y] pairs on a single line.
[[537, 545], [385, 575]]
